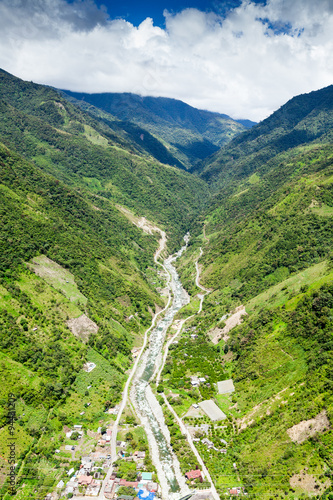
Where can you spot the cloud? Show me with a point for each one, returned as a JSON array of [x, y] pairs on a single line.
[[245, 64]]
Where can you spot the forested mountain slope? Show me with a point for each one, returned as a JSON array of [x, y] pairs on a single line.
[[77, 278], [70, 145], [78, 282], [302, 120], [73, 271], [267, 240], [189, 134]]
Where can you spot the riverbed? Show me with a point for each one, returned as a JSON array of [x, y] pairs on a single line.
[[172, 482]]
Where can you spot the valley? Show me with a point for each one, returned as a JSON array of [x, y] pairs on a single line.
[[142, 364]]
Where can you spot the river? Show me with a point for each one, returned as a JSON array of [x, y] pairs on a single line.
[[147, 407]]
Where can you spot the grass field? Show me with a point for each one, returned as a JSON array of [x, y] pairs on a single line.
[[59, 278]]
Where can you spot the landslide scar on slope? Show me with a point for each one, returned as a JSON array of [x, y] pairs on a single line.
[[308, 428]]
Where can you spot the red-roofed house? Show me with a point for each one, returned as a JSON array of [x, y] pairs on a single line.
[[132, 484], [194, 474], [86, 480]]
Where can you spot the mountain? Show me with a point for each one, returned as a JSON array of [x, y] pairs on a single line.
[[187, 133], [77, 277], [267, 237], [78, 283], [69, 144], [302, 120]]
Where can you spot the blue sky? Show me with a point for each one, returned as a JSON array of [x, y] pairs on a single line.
[[244, 58], [136, 11]]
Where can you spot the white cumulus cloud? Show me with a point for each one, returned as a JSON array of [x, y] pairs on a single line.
[[246, 64]]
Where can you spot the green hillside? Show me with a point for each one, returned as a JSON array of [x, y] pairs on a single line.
[[267, 241], [78, 282], [69, 264], [302, 120], [77, 277], [82, 152], [187, 134]]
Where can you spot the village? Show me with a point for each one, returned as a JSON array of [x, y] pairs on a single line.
[[130, 477], [133, 476]]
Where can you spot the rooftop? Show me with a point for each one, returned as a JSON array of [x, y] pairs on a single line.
[[212, 410], [225, 386], [193, 474]]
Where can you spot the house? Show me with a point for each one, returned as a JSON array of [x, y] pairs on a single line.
[[146, 476], [93, 489], [202, 380], [194, 474], [87, 467], [70, 472], [61, 484], [88, 367], [195, 381], [128, 484], [85, 480], [72, 483], [152, 487], [141, 454], [78, 427], [207, 442]]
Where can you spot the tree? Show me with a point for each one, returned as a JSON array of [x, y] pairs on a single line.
[[129, 436], [126, 490]]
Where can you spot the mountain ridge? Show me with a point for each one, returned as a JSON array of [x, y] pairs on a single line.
[[189, 134], [303, 119]]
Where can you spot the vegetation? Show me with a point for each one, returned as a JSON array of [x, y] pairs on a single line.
[[86, 154], [70, 256], [170, 130], [267, 245]]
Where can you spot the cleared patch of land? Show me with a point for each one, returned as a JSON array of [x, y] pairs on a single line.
[[308, 428], [313, 277], [233, 320], [308, 483], [82, 327]]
